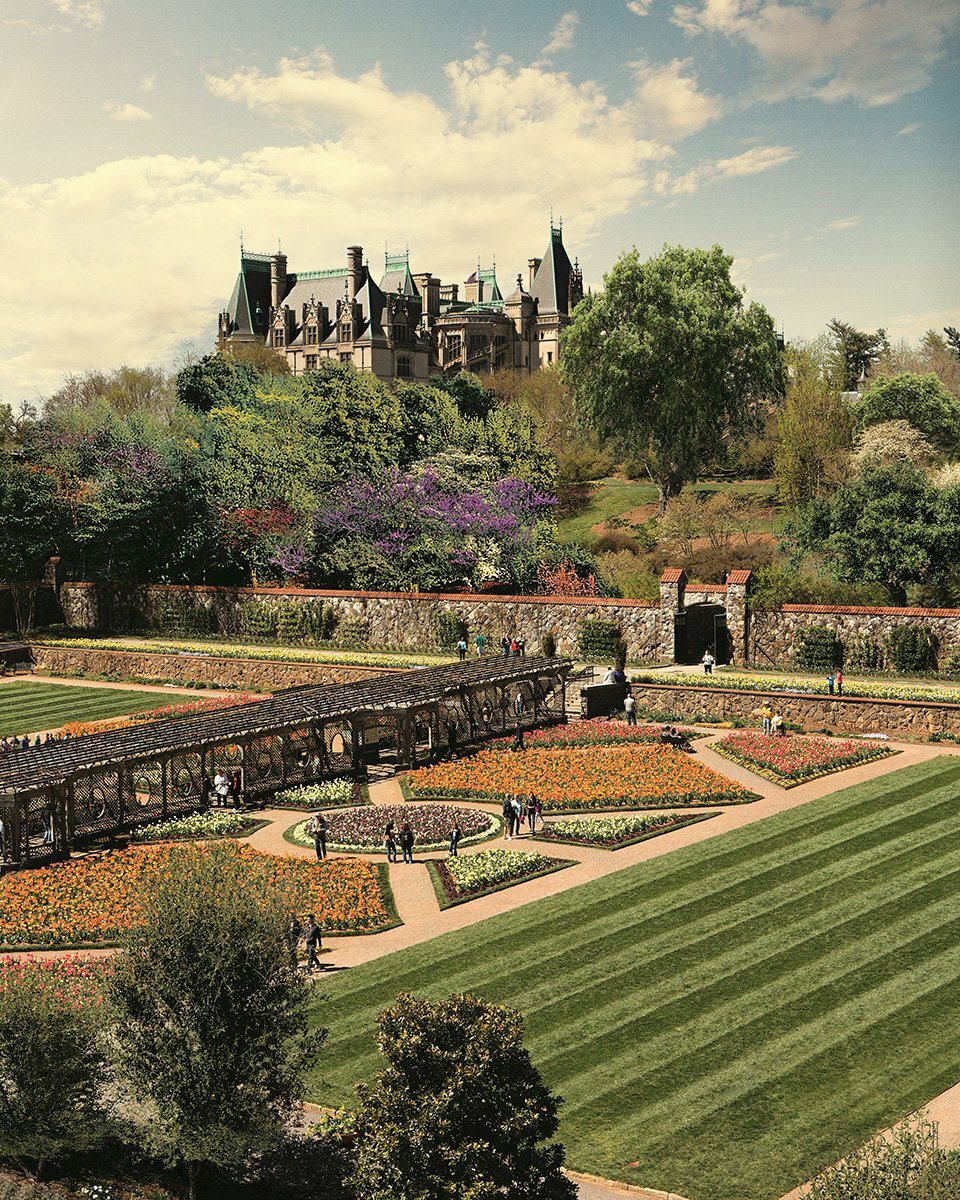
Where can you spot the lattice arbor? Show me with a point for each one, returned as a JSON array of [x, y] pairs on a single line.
[[91, 788]]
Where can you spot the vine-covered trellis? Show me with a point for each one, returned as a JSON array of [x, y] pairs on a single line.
[[71, 793]]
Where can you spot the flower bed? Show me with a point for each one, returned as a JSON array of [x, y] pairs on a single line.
[[91, 901], [814, 687], [613, 833], [167, 712], [581, 779], [214, 823], [457, 880], [75, 978], [358, 658], [595, 733], [360, 830], [311, 797], [794, 760]]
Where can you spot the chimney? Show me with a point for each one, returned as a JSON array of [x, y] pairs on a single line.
[[534, 265], [278, 278], [354, 271]]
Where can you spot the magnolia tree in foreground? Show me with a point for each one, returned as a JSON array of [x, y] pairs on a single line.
[[210, 1041], [460, 1113]]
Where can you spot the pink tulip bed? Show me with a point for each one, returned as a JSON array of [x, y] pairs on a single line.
[[790, 761]]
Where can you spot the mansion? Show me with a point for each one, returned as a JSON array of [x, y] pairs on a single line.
[[406, 326]]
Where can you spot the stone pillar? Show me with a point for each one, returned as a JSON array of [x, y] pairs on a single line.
[[673, 583], [738, 616]]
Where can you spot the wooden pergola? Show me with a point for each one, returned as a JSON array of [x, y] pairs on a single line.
[[75, 792]]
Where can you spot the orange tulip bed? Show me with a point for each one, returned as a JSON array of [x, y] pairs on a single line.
[[92, 901], [581, 778]]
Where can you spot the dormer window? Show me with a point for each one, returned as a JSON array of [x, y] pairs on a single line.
[[346, 330], [278, 338], [401, 334], [311, 335]]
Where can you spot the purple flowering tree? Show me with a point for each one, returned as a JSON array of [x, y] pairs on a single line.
[[406, 531]]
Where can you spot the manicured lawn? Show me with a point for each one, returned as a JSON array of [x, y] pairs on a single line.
[[612, 498], [723, 1020], [26, 706]]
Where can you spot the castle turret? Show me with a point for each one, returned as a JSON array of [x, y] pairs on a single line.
[[278, 278], [354, 271]]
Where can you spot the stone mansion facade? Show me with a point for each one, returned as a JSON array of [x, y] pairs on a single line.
[[406, 326]]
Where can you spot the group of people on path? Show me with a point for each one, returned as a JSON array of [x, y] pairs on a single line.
[[771, 722], [404, 839], [309, 934], [223, 791], [24, 742], [510, 646], [835, 681], [516, 810]]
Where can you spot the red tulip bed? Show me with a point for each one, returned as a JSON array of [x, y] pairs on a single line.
[[594, 733], [790, 761]]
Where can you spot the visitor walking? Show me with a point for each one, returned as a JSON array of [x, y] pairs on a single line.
[[235, 790], [311, 937], [522, 644], [507, 810], [514, 648], [610, 676], [534, 812], [480, 642], [777, 727], [630, 709], [518, 739], [505, 646], [221, 787], [839, 683], [390, 841], [317, 828], [518, 706], [518, 812], [294, 934], [462, 648], [708, 662], [455, 835], [831, 680], [766, 714], [406, 842]]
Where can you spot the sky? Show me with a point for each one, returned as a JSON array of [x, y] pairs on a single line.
[[815, 140]]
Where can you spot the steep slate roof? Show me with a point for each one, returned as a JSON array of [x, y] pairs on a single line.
[[251, 288], [551, 284], [396, 276]]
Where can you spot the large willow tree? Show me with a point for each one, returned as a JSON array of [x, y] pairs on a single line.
[[667, 361]]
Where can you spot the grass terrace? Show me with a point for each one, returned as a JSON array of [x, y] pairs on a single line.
[[28, 707], [726, 1019]]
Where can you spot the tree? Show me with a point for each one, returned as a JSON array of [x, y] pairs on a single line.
[[888, 525], [666, 361], [51, 1072], [953, 338], [855, 352], [29, 532], [893, 442], [920, 399], [125, 390], [210, 1018], [814, 429], [473, 398], [460, 1111], [216, 381]]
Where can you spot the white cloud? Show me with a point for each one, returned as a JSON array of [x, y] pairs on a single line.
[[639, 8], [842, 223], [908, 129], [148, 83], [870, 51], [90, 13], [911, 326], [751, 162], [159, 233], [128, 114], [562, 36], [671, 101]]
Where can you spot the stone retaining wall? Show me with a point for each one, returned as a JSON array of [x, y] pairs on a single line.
[[241, 674], [841, 714], [389, 620], [773, 633]]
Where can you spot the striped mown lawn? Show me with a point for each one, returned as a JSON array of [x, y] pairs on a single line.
[[26, 707], [726, 1019]]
